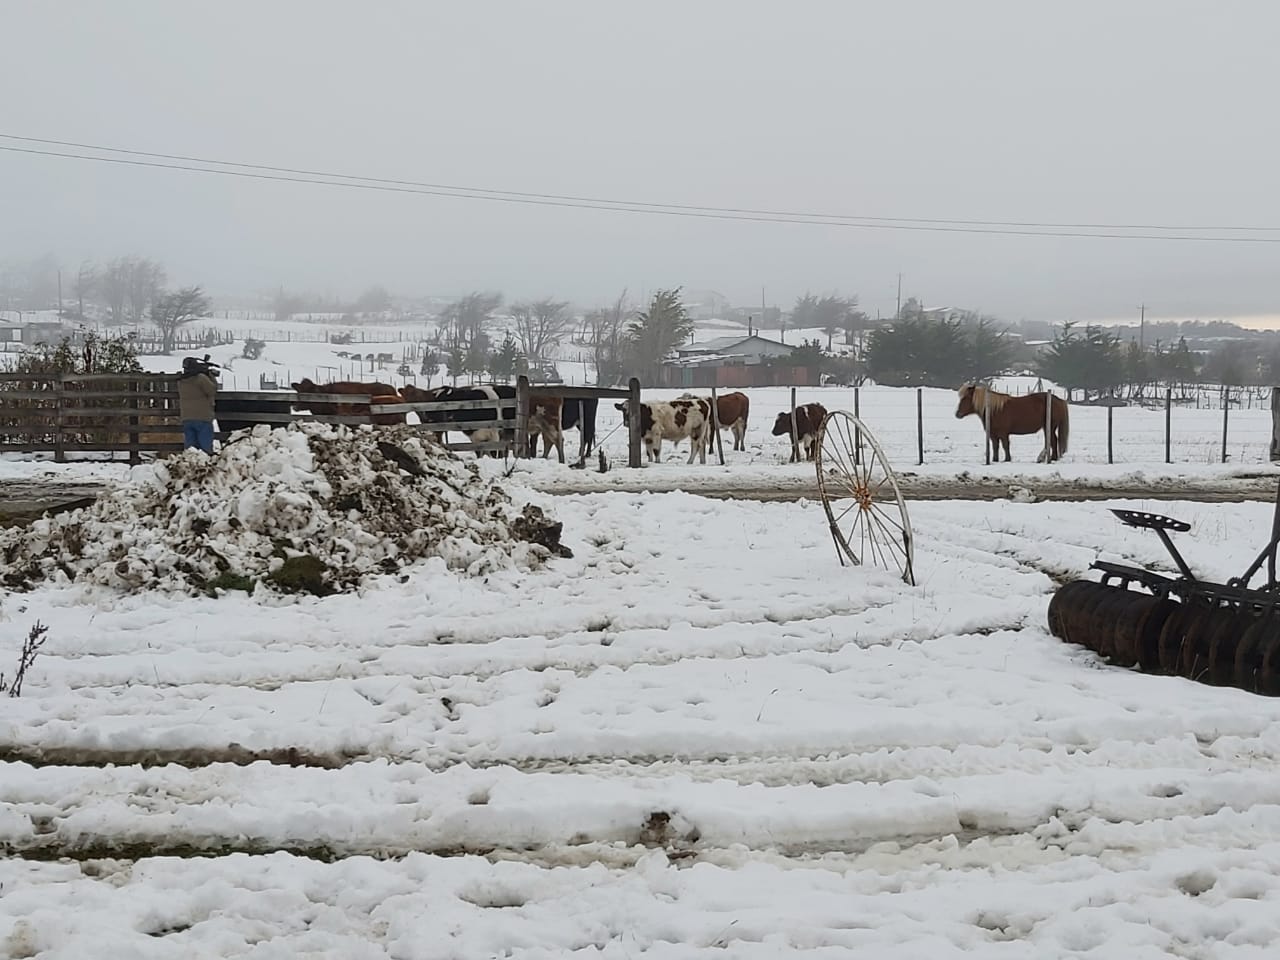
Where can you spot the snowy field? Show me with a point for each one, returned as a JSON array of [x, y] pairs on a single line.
[[699, 737]]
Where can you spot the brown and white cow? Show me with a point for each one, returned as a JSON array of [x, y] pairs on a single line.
[[809, 417], [673, 420], [545, 415], [731, 411], [379, 393]]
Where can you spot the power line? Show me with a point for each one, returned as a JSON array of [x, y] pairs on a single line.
[[622, 206], [468, 191]]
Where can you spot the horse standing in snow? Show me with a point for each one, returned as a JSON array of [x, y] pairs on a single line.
[[1010, 415]]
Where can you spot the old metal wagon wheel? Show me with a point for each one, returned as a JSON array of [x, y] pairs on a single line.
[[867, 516]]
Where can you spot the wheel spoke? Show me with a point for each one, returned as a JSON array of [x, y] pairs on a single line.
[[894, 544], [852, 464], [845, 512]]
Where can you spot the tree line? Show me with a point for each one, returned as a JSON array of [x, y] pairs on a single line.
[[620, 340], [125, 290]]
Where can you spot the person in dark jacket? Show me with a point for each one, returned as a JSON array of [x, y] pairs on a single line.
[[196, 392]]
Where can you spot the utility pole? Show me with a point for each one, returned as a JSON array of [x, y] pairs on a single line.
[[898, 313], [1142, 325], [762, 314], [59, 295]]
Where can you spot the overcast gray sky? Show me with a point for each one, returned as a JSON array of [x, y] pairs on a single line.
[[1124, 111]]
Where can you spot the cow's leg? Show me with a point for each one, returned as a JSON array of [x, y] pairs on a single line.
[[1008, 457], [559, 440], [739, 435]]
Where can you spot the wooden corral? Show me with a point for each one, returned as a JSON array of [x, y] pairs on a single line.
[[137, 414]]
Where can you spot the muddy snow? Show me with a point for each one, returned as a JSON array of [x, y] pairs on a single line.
[[312, 508]]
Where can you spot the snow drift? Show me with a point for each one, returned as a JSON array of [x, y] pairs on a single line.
[[312, 507]]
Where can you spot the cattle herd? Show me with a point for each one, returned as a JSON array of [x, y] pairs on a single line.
[[685, 418]]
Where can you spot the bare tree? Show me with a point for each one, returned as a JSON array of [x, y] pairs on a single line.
[[172, 310], [86, 283], [130, 286], [608, 327], [114, 284], [146, 278], [467, 318], [541, 325]]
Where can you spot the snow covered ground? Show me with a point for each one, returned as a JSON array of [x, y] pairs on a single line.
[[700, 736]]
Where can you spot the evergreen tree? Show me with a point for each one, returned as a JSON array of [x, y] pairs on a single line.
[[655, 333], [503, 361]]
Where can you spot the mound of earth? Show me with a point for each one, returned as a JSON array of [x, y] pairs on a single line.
[[312, 507]]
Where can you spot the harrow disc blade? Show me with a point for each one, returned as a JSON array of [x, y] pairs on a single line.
[[1127, 628], [1251, 651], [1223, 645], [1064, 604], [1149, 631], [1269, 677], [1176, 628], [1193, 657], [1083, 612]]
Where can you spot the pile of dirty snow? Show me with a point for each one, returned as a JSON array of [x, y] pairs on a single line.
[[312, 507]]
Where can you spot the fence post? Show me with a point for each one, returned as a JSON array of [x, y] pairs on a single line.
[[59, 452], [522, 417], [715, 426], [986, 425], [633, 419], [1168, 419], [857, 431], [920, 423], [1226, 406], [795, 436], [135, 455], [1275, 425], [1048, 426], [1110, 410]]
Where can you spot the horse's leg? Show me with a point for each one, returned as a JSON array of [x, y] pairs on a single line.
[[1007, 455]]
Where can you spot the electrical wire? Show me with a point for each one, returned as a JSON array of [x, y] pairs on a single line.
[[265, 172]]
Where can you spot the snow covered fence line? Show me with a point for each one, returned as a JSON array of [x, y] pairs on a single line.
[[309, 508]]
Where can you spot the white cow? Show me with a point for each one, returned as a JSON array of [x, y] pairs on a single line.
[[673, 420]]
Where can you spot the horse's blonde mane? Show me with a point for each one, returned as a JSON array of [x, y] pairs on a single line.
[[982, 396]]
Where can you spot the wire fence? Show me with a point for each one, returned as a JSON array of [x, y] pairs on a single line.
[[918, 425]]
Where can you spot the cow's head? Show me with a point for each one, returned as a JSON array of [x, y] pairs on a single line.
[[965, 406], [305, 385], [782, 425], [622, 408]]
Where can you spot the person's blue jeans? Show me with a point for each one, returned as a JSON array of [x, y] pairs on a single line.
[[199, 434]]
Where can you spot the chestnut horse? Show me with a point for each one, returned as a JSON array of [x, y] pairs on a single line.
[[1011, 415]]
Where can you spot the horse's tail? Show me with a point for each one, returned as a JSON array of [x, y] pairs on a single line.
[[1064, 426]]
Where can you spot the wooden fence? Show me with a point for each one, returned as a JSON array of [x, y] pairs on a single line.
[[119, 413]]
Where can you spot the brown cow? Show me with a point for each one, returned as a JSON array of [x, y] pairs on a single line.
[[544, 421], [379, 393], [731, 411], [809, 417]]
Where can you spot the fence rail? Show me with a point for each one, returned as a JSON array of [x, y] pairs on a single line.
[[49, 413]]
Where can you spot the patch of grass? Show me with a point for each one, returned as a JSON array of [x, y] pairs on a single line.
[[304, 574], [229, 581]]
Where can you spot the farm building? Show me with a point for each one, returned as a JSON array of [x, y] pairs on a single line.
[[735, 361]]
